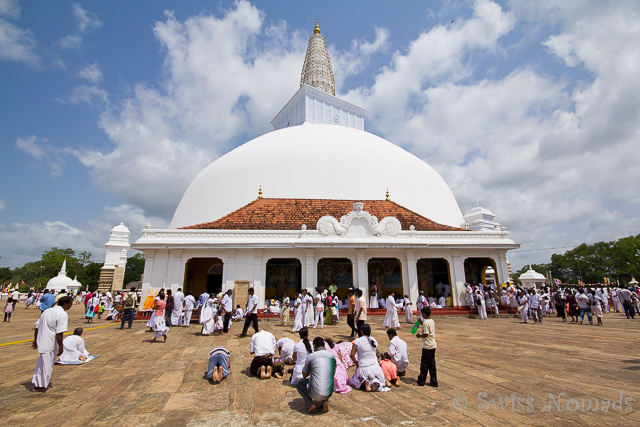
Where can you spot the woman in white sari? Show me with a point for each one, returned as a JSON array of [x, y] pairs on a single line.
[[207, 317], [391, 318], [368, 374], [298, 323]]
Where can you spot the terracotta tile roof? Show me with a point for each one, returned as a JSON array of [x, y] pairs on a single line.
[[290, 214]]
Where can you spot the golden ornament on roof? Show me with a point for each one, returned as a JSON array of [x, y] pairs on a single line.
[[317, 29]]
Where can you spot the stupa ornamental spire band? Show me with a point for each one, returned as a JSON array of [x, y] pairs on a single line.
[[316, 71]]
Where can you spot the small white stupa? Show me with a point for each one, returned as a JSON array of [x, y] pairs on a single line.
[[61, 281], [532, 278], [480, 219], [74, 286]]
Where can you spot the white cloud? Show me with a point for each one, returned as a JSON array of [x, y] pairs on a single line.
[[25, 242], [84, 18], [70, 42], [42, 152], [2, 205], [16, 44], [89, 94], [92, 73]]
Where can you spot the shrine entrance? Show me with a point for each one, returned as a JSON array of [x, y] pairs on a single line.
[[433, 277], [386, 274], [202, 274], [283, 274], [338, 270], [475, 270]]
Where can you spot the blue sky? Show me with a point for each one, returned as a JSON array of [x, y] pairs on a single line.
[[109, 109]]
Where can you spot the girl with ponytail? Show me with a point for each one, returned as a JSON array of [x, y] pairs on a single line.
[[369, 375], [301, 350]]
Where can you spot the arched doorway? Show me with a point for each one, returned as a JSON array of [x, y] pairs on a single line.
[[283, 274], [475, 270], [338, 270], [433, 277], [203, 273], [386, 274]]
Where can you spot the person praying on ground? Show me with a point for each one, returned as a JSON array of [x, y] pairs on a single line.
[[301, 351], [428, 359], [277, 369], [262, 347], [73, 348], [237, 316], [368, 375], [389, 370], [398, 352], [219, 364], [382, 303], [160, 328], [252, 314], [318, 372], [341, 376], [285, 350], [47, 339]]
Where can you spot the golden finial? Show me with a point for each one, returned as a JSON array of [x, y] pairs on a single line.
[[317, 29], [260, 193], [387, 199]]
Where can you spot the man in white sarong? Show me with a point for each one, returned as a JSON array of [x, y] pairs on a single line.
[[189, 305], [47, 339], [391, 318], [176, 314], [298, 323], [74, 350]]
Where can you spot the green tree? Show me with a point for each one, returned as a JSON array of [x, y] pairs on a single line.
[[134, 269], [540, 268], [90, 275]]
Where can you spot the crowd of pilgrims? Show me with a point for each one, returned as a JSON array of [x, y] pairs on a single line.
[[535, 304]]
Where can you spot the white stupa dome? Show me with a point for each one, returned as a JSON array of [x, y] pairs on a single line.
[[74, 285], [317, 161], [61, 281]]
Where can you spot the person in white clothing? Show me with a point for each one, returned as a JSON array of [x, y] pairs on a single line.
[[176, 313], [285, 350], [298, 323], [73, 348], [481, 304], [421, 302], [319, 312], [308, 319], [398, 352], [252, 314], [207, 316], [391, 318], [523, 306], [534, 306], [47, 339], [227, 307], [368, 375], [469, 295], [189, 305], [408, 309], [262, 347], [237, 316], [301, 350]]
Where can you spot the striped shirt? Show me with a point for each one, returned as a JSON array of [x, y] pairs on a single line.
[[321, 367], [219, 350]]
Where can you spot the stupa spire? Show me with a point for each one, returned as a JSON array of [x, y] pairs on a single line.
[[63, 270], [316, 71]]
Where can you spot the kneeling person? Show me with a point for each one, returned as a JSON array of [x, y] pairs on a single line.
[[73, 348], [219, 364], [262, 346], [318, 373]]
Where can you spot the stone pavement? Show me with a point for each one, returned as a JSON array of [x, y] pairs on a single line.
[[138, 383]]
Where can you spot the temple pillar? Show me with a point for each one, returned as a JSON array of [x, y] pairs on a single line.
[[362, 276], [456, 266], [176, 267], [258, 274], [502, 269], [229, 271], [410, 277], [310, 273]]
